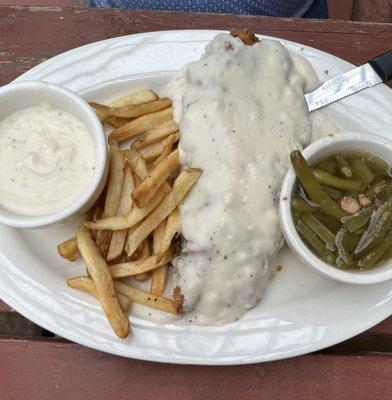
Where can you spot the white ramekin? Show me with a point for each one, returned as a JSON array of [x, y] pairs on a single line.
[[16, 96], [318, 150]]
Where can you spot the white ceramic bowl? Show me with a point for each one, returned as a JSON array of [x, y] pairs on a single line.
[[16, 96], [316, 151]]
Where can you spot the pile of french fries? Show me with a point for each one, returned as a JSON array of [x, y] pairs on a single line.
[[132, 230]]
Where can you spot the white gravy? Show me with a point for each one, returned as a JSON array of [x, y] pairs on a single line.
[[47, 159], [241, 110]]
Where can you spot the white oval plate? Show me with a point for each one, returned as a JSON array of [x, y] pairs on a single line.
[[300, 312]]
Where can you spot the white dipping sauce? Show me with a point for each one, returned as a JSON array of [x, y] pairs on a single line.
[[47, 159], [241, 111]]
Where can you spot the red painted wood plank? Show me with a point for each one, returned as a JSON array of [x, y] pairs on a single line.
[[383, 328], [13, 324], [340, 9], [374, 11], [31, 35], [42, 369], [5, 307], [40, 3]]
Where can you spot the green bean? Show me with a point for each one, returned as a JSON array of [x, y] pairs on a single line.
[[343, 242], [360, 241], [378, 166], [326, 178], [332, 167], [344, 166], [304, 206], [375, 255], [351, 240], [331, 223], [333, 193], [313, 188], [380, 223], [382, 193], [387, 255], [358, 220], [359, 231], [320, 230], [296, 215], [323, 164], [362, 171], [328, 165], [372, 187], [314, 242]]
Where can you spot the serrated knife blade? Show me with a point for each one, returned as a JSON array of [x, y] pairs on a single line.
[[376, 71]]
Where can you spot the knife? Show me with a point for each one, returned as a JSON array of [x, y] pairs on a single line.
[[377, 70]]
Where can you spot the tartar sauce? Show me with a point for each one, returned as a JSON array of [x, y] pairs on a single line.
[[241, 110], [47, 159]]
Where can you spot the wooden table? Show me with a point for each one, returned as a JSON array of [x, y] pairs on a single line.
[[44, 367]]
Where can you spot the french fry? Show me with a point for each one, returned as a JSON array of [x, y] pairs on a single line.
[[159, 275], [140, 200], [141, 124], [116, 122], [155, 179], [137, 162], [139, 251], [102, 240], [132, 110], [181, 187], [99, 272], [138, 181], [113, 195], [145, 252], [85, 284], [126, 202], [167, 148], [127, 221], [143, 276], [147, 299], [142, 96], [139, 97], [97, 215], [115, 180], [157, 237], [127, 293], [140, 266], [155, 134], [153, 151], [173, 226], [69, 249], [122, 259]]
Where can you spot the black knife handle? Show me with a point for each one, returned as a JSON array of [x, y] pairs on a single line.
[[382, 64]]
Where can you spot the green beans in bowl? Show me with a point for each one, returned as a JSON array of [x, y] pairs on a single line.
[[336, 207]]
